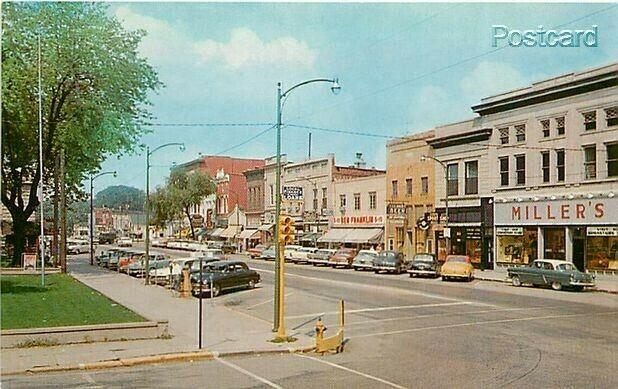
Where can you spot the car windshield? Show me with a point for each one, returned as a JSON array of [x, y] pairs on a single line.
[[388, 256], [366, 256], [459, 259], [423, 258], [565, 267]]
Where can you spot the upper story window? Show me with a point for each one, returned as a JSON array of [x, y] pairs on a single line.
[[545, 165], [612, 160], [424, 185], [611, 116], [560, 165], [472, 175], [504, 171], [373, 200], [324, 198], [520, 169], [560, 126], [452, 179], [520, 132], [342, 201], [590, 162], [545, 127], [504, 136], [408, 187], [357, 201], [394, 188], [590, 120], [315, 199]]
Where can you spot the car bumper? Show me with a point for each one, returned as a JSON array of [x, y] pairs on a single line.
[[423, 272], [319, 261], [362, 266], [582, 283], [456, 275], [332, 263]]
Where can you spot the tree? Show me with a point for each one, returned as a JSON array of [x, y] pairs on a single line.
[[95, 90], [121, 197], [182, 191]]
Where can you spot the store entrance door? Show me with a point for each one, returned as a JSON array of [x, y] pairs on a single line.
[[579, 248]]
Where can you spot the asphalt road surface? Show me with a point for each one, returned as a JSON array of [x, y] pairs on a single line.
[[402, 332]]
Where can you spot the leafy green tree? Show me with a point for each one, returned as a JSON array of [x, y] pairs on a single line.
[[95, 90], [121, 197], [182, 191]]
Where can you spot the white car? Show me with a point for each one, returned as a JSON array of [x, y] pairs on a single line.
[[288, 250], [124, 242], [302, 254], [77, 246]]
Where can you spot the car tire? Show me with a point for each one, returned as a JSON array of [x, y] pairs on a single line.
[[356, 269], [556, 285], [515, 281], [412, 275], [251, 284], [444, 278]]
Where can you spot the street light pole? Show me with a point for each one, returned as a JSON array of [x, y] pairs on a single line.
[[147, 210], [446, 227], [92, 178], [279, 292]]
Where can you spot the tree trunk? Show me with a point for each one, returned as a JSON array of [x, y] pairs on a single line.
[[19, 238], [190, 223]]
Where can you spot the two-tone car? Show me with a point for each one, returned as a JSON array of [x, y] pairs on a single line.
[[321, 257], [457, 267], [302, 254], [551, 272], [364, 260], [390, 262], [224, 275], [288, 250], [424, 265], [268, 254], [256, 252], [342, 258]]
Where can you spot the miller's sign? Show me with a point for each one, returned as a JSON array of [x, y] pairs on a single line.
[[576, 211]]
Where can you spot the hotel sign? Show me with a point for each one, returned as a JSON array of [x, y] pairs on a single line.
[[576, 211]]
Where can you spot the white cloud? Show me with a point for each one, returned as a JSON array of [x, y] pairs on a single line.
[[245, 48], [490, 78]]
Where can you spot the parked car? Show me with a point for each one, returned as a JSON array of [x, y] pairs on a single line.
[[228, 248], [457, 266], [321, 257], [135, 255], [551, 272], [107, 237], [103, 255], [288, 250], [77, 246], [224, 275], [124, 242], [390, 262], [302, 254], [136, 269], [215, 245], [160, 272], [424, 265], [343, 257], [195, 266], [364, 260], [256, 252], [268, 254]]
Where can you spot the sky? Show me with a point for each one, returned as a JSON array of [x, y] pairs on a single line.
[[403, 68]]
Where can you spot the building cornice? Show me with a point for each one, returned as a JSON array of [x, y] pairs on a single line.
[[461, 138]]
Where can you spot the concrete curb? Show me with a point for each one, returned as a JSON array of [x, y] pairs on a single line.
[[160, 358], [506, 281]]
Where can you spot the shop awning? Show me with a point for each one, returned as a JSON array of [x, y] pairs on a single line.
[[249, 234], [217, 232], [266, 227], [230, 232], [364, 235], [352, 235]]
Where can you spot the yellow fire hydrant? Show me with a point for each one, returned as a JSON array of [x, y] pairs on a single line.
[[335, 342]]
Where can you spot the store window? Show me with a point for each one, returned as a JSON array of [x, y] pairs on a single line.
[[516, 245], [602, 248], [590, 161], [555, 246]]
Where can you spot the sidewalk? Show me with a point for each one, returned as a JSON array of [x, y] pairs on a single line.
[[225, 331], [605, 283]]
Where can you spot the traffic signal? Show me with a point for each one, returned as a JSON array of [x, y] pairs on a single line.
[[286, 230]]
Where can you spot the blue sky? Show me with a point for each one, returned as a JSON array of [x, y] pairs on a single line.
[[221, 63]]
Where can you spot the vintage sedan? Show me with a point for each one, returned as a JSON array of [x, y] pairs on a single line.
[[302, 254], [551, 272], [457, 267], [256, 252], [124, 242], [343, 257], [364, 260], [77, 246], [224, 275], [289, 249], [321, 257], [390, 262], [424, 265], [268, 254]]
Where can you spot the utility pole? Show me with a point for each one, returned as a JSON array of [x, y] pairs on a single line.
[[309, 148], [63, 216], [55, 244]]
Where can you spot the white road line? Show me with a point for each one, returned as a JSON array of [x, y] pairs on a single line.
[[479, 323], [265, 302], [378, 379], [443, 314], [400, 291], [378, 309], [248, 373], [88, 378]]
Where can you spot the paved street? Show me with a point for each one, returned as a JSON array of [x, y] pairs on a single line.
[[403, 332]]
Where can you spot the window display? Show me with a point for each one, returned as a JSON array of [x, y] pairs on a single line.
[[602, 253], [554, 243], [519, 247]]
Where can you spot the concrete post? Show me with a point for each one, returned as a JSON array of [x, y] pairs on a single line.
[[540, 243], [568, 244]]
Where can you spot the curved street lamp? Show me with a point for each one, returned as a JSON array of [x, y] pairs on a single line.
[[446, 228], [147, 239], [92, 178], [278, 324]]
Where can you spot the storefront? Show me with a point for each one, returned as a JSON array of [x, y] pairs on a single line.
[[581, 230], [464, 241]]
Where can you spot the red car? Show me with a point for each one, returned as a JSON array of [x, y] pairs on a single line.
[[343, 257], [256, 252]]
